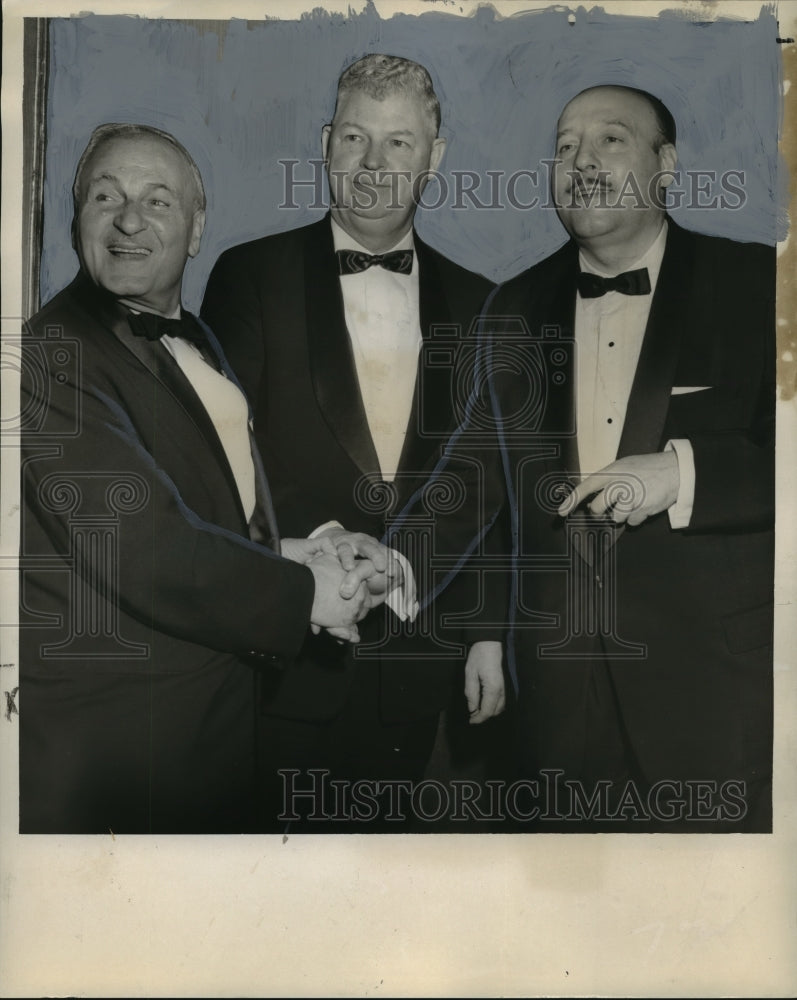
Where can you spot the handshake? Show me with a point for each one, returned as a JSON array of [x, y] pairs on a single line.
[[353, 573]]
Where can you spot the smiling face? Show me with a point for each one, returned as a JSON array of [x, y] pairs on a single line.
[[606, 187], [138, 221], [377, 152]]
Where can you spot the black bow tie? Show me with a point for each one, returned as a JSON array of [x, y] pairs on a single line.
[[153, 327], [592, 286], [355, 261]]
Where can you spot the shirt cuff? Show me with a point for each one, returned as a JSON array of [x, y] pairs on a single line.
[[324, 527], [680, 514], [402, 600]]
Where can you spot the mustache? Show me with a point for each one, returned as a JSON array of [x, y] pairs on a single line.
[[580, 184]]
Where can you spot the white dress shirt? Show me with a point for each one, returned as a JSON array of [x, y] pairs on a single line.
[[382, 311], [609, 332], [228, 410]]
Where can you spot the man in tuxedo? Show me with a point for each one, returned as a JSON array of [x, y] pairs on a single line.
[[326, 327], [643, 492], [152, 586]]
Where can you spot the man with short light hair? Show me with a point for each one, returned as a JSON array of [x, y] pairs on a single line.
[[324, 325]]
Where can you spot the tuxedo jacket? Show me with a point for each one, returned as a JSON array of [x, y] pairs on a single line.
[[145, 606], [682, 617], [277, 308]]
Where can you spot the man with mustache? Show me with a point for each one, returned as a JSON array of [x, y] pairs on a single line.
[[152, 588], [645, 496], [325, 326]]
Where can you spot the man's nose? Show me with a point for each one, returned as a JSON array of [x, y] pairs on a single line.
[[129, 218], [586, 159], [373, 157]]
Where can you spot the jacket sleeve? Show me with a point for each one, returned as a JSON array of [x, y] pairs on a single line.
[[173, 571], [465, 494], [735, 458]]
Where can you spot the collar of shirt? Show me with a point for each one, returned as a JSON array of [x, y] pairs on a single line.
[[651, 259], [177, 314], [168, 342], [343, 241]]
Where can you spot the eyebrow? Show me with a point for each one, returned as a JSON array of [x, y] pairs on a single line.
[[608, 121], [153, 186], [362, 128], [618, 121]]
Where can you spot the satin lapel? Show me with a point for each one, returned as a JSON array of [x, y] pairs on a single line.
[[332, 364], [432, 403], [669, 314], [157, 360], [558, 425], [221, 360], [560, 403]]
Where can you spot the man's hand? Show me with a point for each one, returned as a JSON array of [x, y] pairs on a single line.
[[484, 681], [354, 547], [341, 599], [302, 550], [305, 550], [629, 490]]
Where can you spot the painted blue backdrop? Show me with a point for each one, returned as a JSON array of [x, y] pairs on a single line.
[[244, 95]]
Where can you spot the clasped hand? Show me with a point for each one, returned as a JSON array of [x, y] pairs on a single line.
[[353, 573]]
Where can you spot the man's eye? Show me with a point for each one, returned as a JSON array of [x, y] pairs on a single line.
[[565, 147], [613, 138], [351, 137], [159, 203], [398, 142], [102, 196]]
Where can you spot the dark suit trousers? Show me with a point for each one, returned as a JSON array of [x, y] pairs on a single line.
[[589, 746], [354, 747]]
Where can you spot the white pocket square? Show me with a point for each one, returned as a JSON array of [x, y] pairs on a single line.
[[681, 390]]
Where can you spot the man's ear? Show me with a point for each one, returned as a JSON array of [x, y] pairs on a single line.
[[668, 157], [197, 228], [438, 149], [326, 131]]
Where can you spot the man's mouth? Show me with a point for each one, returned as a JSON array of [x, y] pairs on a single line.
[[125, 252], [587, 194], [587, 189], [366, 181]]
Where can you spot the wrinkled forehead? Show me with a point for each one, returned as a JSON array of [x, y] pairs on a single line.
[[143, 158], [609, 105]]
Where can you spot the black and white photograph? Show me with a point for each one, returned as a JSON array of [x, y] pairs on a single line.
[[399, 419]]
